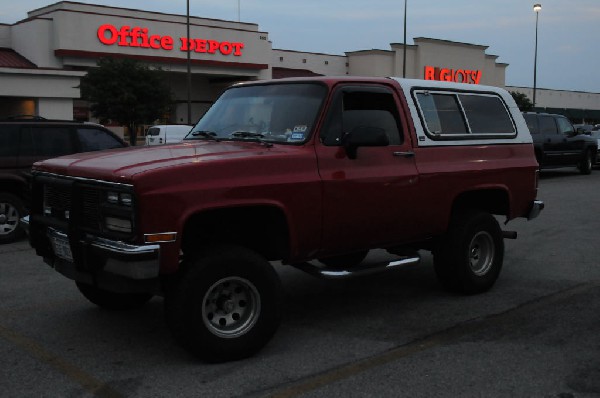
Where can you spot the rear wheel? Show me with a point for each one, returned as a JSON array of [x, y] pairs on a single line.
[[226, 304], [112, 300], [470, 258], [11, 211], [585, 167]]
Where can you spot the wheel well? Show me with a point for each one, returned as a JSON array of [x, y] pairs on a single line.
[[263, 229], [15, 188], [494, 201]]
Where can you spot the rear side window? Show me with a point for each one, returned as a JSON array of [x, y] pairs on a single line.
[[47, 141], [9, 140], [92, 139], [532, 123], [547, 125], [449, 115]]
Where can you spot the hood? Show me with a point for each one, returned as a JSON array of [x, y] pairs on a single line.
[[120, 165]]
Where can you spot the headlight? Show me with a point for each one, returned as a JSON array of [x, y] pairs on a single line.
[[116, 198], [118, 224]]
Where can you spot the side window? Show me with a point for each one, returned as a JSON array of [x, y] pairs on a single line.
[[362, 107], [52, 141], [532, 123], [442, 113], [9, 140], [547, 125], [486, 114], [92, 139], [564, 126]]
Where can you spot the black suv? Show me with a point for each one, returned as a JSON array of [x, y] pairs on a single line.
[[24, 142], [557, 143]]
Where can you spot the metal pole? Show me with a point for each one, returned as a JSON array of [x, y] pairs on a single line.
[[239, 19], [536, 8], [404, 45], [189, 68]]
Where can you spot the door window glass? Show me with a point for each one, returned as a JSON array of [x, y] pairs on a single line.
[[442, 114], [547, 125], [564, 126], [48, 141], [93, 139], [9, 140], [486, 114]]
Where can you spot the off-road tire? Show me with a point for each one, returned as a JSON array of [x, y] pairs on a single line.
[[225, 305], [469, 259], [111, 300]]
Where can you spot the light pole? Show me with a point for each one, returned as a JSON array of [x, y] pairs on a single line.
[[536, 8], [189, 69], [404, 45]]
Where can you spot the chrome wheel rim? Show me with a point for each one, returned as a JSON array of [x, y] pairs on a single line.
[[481, 253], [9, 218], [231, 307]]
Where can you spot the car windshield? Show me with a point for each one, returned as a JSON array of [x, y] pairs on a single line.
[[282, 113]]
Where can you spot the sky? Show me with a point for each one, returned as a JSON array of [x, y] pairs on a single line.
[[568, 30]]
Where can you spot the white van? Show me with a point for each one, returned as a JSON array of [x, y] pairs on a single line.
[[166, 134]]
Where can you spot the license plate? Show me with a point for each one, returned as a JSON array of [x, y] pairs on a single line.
[[62, 248]]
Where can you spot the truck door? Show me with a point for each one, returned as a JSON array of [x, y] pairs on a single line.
[[552, 140], [369, 200], [571, 145]]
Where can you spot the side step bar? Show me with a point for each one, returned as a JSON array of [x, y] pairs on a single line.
[[369, 269]]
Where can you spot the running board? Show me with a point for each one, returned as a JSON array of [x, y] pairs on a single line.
[[369, 269]]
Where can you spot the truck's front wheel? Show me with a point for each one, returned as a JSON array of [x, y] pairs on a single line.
[[470, 258], [226, 304]]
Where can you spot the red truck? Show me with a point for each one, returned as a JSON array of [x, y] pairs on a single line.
[[310, 172]]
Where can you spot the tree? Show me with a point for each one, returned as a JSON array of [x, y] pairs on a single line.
[[523, 102], [127, 92]]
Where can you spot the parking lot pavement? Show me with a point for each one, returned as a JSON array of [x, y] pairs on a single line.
[[397, 334]]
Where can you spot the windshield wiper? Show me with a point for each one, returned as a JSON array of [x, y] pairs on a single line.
[[206, 134], [247, 134]]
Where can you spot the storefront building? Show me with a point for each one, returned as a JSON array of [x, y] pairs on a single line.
[[43, 57]]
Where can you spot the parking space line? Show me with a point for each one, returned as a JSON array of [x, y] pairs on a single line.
[[87, 382], [445, 336]]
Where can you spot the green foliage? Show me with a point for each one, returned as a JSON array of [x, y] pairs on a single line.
[[126, 91], [523, 102]]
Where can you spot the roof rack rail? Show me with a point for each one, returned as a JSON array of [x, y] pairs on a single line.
[[24, 117]]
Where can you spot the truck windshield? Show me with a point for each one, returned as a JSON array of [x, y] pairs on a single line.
[[283, 113]]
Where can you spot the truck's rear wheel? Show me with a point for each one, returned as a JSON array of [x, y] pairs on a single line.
[[112, 300], [226, 304], [470, 258], [587, 162]]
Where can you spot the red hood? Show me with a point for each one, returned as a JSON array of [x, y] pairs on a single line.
[[123, 164]]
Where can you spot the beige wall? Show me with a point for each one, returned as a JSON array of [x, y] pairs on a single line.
[[545, 98]]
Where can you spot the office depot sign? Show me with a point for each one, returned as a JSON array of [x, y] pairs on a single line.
[[453, 75], [127, 36]]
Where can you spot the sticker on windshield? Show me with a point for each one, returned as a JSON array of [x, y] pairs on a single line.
[[297, 136], [300, 129]]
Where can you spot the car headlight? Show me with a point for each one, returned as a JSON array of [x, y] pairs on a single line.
[[118, 224], [119, 198]]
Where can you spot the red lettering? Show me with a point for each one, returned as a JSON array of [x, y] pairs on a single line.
[[200, 45], [135, 35], [463, 76], [123, 36], [212, 46], [476, 76], [429, 73], [102, 34], [225, 48], [166, 42], [155, 42], [237, 48], [446, 75], [145, 43]]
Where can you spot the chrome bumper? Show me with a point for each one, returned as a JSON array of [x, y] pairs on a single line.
[[536, 209], [131, 261]]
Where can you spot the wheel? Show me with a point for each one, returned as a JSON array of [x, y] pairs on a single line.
[[225, 305], [470, 258], [585, 167], [11, 211], [112, 300], [345, 261]]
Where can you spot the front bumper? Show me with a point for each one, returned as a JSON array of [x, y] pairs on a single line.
[[109, 264], [536, 208]]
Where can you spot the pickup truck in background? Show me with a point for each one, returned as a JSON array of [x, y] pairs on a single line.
[[307, 172], [558, 143]]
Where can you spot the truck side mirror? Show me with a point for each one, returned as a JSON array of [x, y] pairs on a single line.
[[364, 136]]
